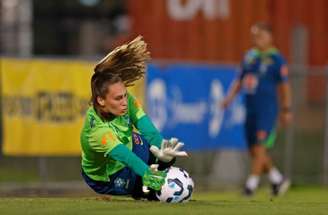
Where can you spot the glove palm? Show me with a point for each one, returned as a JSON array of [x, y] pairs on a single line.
[[169, 150]]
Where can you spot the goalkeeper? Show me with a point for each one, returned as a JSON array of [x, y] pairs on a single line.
[[116, 160]]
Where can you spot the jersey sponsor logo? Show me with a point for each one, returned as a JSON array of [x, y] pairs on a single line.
[[136, 139], [119, 182], [267, 61], [104, 140], [263, 68], [250, 83], [108, 137]]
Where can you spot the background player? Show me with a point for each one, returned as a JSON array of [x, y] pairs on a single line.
[[114, 159], [264, 74]]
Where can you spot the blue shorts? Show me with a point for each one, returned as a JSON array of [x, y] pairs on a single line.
[[124, 181], [260, 121]]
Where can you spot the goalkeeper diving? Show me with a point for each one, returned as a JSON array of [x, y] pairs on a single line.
[[116, 160]]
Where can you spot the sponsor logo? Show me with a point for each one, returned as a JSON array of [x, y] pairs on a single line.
[[119, 182], [136, 139], [108, 137], [182, 10], [168, 108], [250, 82], [58, 107]]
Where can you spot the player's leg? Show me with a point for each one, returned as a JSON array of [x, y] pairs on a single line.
[[279, 183], [98, 186], [260, 161], [120, 183], [257, 164], [261, 153], [266, 137], [253, 179]]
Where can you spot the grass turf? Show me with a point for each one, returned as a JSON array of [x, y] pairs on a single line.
[[297, 201]]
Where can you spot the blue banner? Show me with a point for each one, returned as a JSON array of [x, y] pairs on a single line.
[[183, 101]]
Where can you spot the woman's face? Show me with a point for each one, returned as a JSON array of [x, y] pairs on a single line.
[[115, 100], [262, 39]]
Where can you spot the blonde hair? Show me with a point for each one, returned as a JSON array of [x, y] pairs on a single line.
[[127, 61]]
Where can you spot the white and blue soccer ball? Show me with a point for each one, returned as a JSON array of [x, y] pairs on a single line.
[[178, 186]]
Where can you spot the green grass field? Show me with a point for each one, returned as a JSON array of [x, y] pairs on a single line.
[[297, 201]]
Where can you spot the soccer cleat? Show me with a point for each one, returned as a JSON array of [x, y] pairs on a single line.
[[248, 192], [281, 188]]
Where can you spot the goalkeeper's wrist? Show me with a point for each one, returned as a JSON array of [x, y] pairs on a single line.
[[147, 172], [164, 165]]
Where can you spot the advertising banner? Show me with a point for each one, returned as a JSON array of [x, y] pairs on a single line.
[[184, 102], [44, 104]]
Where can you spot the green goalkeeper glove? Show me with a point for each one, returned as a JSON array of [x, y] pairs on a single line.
[[154, 179]]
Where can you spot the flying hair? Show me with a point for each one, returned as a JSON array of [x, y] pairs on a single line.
[[127, 61]]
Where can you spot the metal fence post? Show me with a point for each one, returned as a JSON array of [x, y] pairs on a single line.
[[325, 147], [1, 113], [43, 174], [289, 149], [290, 130]]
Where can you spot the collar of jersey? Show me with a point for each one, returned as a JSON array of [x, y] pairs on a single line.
[[270, 51]]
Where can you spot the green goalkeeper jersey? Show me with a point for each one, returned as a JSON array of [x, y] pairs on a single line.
[[99, 137]]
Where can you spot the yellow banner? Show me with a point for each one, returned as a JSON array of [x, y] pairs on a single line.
[[43, 105]]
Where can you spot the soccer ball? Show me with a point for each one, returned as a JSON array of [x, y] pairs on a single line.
[[178, 186]]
